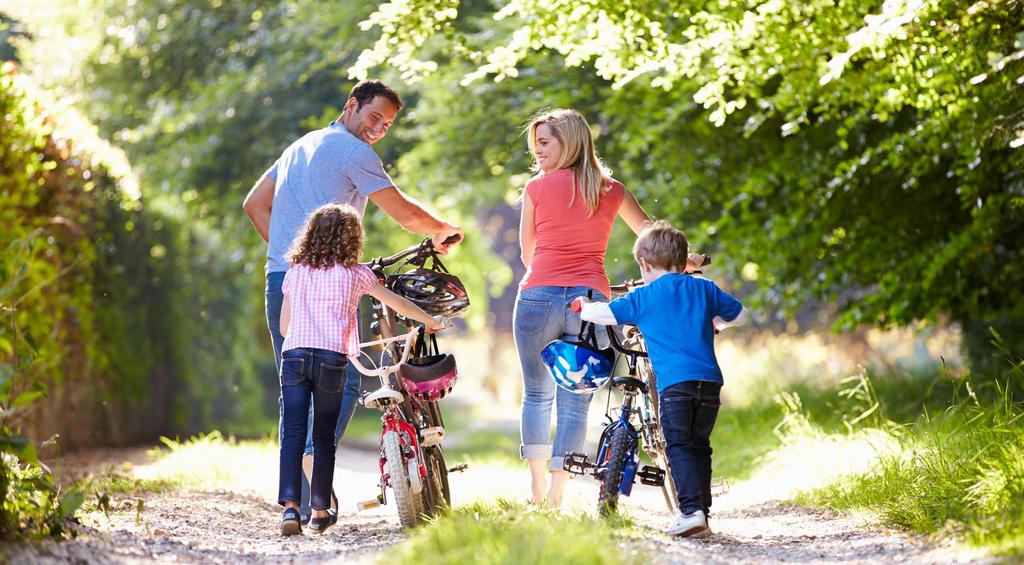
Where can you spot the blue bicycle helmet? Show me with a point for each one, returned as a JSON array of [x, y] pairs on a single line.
[[578, 366]]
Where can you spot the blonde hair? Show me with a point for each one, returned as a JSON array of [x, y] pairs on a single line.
[[572, 131], [333, 235], [662, 246]]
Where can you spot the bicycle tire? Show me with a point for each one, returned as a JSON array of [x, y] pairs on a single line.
[[608, 500], [398, 470], [658, 447], [437, 493]]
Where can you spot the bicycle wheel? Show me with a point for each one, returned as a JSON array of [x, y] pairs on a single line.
[[656, 447], [398, 469], [608, 500], [436, 492]]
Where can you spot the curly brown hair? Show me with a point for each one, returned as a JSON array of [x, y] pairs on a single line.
[[333, 235]]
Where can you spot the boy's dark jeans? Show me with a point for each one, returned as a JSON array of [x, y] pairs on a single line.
[[688, 413], [317, 374]]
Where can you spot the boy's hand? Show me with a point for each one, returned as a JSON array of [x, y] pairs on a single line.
[[577, 305], [437, 324]]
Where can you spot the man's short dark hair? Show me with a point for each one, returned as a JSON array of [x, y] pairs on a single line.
[[366, 90]]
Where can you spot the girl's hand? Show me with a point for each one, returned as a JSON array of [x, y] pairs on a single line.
[[437, 323]]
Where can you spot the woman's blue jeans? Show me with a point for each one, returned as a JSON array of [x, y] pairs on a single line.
[[542, 315], [318, 375]]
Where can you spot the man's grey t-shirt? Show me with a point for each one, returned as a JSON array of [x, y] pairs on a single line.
[[328, 165]]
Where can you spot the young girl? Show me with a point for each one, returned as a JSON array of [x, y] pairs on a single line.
[[568, 211], [321, 294]]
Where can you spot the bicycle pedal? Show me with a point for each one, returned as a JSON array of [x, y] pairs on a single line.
[[459, 468], [651, 476], [431, 436], [368, 504], [577, 463]]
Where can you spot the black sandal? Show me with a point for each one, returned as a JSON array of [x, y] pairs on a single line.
[[320, 525], [290, 522]]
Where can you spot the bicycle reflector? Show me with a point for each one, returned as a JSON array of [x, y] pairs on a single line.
[[578, 366]]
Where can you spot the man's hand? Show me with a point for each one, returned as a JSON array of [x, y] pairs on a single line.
[[447, 238]]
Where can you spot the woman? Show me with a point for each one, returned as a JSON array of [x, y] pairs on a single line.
[[568, 212]]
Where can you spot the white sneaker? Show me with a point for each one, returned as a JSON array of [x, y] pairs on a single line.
[[693, 525]]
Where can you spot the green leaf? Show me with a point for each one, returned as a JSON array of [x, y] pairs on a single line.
[[71, 502], [26, 398]]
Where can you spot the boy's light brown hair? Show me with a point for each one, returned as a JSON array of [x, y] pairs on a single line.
[[333, 235], [662, 246]]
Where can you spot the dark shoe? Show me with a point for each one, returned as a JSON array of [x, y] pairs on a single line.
[[320, 525], [290, 522]]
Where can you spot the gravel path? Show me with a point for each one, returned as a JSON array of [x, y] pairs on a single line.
[[240, 525]]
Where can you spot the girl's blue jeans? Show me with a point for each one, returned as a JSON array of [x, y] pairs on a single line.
[[542, 315], [274, 298], [318, 375]]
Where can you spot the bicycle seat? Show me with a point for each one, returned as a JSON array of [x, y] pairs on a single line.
[[373, 399], [629, 383]]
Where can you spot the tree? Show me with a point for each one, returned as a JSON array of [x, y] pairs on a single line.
[[861, 154]]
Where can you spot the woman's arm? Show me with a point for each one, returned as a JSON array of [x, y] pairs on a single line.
[[286, 315], [406, 308], [527, 231], [630, 210]]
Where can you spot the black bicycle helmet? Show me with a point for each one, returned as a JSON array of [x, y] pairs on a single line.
[[437, 293]]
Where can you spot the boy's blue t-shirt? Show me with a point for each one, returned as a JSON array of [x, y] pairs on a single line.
[[675, 314]]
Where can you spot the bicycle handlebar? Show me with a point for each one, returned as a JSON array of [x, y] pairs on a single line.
[[388, 369], [423, 248], [618, 346]]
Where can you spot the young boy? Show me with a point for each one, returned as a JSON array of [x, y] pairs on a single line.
[[678, 315]]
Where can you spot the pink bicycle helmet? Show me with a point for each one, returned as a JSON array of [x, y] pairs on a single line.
[[429, 375]]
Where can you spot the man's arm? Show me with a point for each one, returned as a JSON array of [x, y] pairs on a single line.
[[257, 205], [411, 215]]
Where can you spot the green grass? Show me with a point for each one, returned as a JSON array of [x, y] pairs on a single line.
[[958, 472], [510, 533]]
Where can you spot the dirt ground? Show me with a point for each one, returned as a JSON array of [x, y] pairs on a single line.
[[240, 524]]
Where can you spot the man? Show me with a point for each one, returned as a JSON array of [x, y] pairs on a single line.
[[335, 164]]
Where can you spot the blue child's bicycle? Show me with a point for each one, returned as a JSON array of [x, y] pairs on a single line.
[[634, 426]]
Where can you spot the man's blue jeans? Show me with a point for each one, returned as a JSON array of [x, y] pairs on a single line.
[[318, 375], [688, 413], [274, 298], [542, 315]]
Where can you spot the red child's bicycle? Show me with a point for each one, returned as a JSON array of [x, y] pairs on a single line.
[[413, 375]]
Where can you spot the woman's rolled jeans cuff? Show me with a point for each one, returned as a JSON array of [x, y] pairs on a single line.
[[542, 452]]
